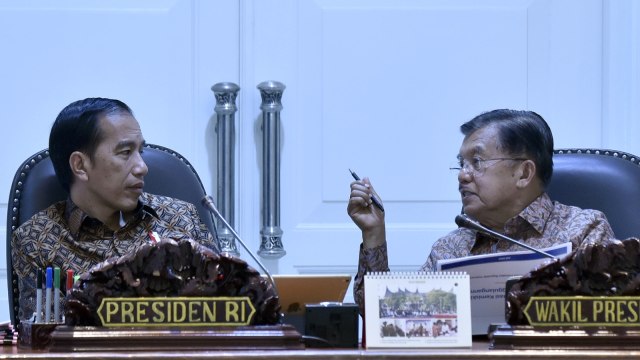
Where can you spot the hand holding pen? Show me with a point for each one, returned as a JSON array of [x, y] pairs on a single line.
[[366, 211], [374, 199]]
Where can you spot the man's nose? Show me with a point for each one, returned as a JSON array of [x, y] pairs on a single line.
[[464, 175], [140, 168]]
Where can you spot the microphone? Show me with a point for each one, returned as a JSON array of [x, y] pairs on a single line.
[[208, 202], [463, 220]]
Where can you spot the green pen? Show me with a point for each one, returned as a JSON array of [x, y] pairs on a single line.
[[56, 295]]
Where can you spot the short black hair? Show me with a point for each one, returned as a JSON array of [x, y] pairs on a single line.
[[76, 129], [520, 133]]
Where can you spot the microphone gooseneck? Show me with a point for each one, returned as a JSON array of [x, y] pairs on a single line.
[[208, 202], [463, 220]]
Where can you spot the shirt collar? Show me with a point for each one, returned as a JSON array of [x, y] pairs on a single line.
[[535, 216], [76, 217], [537, 213]]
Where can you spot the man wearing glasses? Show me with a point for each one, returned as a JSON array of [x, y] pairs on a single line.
[[504, 164]]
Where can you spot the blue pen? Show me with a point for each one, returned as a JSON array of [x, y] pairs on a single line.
[[374, 200], [48, 295], [39, 296]]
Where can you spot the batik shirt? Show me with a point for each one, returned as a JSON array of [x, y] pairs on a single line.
[[541, 224], [64, 236]]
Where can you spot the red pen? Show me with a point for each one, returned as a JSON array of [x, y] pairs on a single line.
[[69, 280], [153, 236]]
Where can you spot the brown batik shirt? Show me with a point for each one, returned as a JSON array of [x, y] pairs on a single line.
[[64, 236], [541, 224]]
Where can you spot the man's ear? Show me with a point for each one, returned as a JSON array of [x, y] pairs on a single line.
[[526, 173], [79, 161]]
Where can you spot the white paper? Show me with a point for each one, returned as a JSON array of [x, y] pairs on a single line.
[[489, 274]]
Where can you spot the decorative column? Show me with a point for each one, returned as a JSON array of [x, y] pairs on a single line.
[[271, 233], [226, 93]]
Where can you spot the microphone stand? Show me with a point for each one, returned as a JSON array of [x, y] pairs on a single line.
[[463, 220], [208, 202]]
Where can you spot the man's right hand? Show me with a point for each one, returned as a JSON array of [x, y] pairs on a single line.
[[365, 214]]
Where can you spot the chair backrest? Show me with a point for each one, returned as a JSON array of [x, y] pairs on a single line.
[[605, 180], [35, 187]]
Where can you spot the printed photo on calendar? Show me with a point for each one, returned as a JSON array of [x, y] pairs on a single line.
[[411, 312], [417, 310]]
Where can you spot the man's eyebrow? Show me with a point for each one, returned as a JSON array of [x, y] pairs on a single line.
[[128, 143], [476, 149]]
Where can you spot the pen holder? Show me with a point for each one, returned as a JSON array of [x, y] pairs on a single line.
[[35, 336]]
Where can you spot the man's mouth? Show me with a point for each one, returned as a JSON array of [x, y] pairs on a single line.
[[465, 193], [137, 186]]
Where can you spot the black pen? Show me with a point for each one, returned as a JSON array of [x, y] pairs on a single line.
[[375, 200]]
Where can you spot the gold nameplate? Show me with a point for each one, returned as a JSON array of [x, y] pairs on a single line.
[[176, 311], [583, 311]]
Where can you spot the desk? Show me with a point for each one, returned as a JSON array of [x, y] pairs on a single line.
[[480, 350]]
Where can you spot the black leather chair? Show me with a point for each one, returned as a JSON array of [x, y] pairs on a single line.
[[35, 187], [605, 180]]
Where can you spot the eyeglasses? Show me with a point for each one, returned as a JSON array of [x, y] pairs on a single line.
[[477, 166]]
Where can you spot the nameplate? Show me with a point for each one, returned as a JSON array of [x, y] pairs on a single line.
[[584, 311], [176, 311]]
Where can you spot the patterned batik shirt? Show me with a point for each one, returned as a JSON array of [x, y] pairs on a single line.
[[542, 224], [64, 236]]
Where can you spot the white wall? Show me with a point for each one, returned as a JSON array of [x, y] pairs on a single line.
[[379, 86], [159, 56]]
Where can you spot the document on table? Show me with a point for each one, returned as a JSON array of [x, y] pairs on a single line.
[[489, 274]]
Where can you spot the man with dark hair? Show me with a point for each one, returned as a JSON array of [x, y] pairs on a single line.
[[96, 145], [504, 165], [76, 129]]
